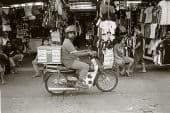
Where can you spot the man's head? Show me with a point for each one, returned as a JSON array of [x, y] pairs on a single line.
[[45, 42], [120, 40], [70, 32]]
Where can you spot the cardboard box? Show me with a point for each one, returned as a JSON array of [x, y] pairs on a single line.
[[49, 54]]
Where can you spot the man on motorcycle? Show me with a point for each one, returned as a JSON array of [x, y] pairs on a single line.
[[70, 56]]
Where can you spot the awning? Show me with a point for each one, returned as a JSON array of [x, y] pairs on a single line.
[[10, 2]]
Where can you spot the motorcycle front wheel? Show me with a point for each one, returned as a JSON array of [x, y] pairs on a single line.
[[52, 83], [107, 81]]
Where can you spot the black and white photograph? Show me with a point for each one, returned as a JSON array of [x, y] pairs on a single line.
[[84, 56]]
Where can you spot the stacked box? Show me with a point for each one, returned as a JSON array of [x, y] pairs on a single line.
[[49, 54]]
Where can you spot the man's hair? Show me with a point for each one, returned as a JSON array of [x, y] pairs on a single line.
[[137, 27]]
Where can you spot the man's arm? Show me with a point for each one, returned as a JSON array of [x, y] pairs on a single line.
[[81, 53], [68, 45]]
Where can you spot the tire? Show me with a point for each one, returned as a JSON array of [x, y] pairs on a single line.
[[109, 77], [50, 80]]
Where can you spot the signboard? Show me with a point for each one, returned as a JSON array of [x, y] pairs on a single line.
[[108, 58], [49, 54]]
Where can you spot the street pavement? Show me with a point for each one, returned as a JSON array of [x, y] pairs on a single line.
[[144, 93]]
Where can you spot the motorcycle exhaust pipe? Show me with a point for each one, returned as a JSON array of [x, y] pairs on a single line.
[[63, 89]]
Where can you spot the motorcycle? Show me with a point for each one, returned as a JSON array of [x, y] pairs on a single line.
[[59, 79]]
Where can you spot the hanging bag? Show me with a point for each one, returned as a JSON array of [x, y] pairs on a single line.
[[49, 20]]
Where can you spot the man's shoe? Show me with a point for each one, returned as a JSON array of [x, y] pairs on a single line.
[[36, 75], [144, 71]]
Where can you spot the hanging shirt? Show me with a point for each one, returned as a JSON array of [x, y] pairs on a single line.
[[106, 10], [148, 12], [108, 26], [107, 30], [153, 30], [154, 15], [165, 12], [142, 16]]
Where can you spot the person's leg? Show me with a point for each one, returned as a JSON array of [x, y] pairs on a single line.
[[19, 57], [121, 66], [130, 62], [16, 59], [136, 61], [143, 65], [2, 75], [82, 67], [36, 68], [12, 65]]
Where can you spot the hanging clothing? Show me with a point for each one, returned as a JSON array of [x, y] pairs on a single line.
[[154, 15], [0, 11], [6, 28], [5, 11], [153, 30], [165, 12], [143, 29], [107, 30], [55, 36], [107, 10], [36, 10], [28, 13], [108, 26], [147, 30], [59, 7], [148, 12], [142, 16], [108, 58]]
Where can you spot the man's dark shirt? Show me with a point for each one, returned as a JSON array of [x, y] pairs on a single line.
[[139, 39], [10, 51]]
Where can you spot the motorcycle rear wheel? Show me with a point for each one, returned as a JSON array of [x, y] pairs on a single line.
[[52, 82], [107, 81]]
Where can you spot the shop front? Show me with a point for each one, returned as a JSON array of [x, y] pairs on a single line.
[[97, 22]]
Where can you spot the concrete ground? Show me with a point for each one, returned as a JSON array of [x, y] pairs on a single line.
[[144, 93]]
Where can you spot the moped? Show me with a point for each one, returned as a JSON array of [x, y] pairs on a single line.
[[59, 79]]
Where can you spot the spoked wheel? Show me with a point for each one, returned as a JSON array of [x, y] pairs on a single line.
[[107, 81], [52, 82]]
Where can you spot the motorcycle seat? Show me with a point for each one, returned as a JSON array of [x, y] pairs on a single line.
[[61, 68]]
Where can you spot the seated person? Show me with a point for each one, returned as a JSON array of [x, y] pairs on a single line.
[[3, 62], [70, 56], [19, 50], [12, 54], [120, 57], [45, 42]]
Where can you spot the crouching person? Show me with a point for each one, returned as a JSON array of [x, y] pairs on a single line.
[[120, 58]]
